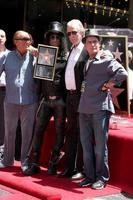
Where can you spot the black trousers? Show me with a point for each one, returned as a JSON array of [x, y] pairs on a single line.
[[2, 127], [47, 109], [18, 141], [73, 148], [131, 105]]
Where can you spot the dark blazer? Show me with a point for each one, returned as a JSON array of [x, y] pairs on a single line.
[[78, 69]]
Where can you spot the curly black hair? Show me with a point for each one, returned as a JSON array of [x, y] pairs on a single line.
[[63, 49]]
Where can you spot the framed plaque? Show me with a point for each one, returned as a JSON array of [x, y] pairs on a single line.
[[45, 64], [119, 48]]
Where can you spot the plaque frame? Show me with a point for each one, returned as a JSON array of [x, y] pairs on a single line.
[[45, 63]]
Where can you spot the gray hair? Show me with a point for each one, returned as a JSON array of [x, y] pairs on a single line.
[[77, 24]]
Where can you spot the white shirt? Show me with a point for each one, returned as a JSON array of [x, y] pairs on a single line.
[[2, 77], [72, 60]]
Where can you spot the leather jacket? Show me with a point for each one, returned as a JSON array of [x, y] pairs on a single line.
[[57, 86]]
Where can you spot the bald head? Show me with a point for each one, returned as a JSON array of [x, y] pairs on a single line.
[[2, 32], [21, 34], [2, 40]]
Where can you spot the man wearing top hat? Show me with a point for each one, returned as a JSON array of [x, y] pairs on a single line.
[[95, 108], [52, 104]]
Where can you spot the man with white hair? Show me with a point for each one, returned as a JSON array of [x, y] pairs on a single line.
[[73, 79]]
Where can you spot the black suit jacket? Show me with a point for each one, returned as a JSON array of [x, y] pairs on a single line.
[[78, 69]]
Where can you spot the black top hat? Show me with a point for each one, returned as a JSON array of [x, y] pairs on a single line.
[[55, 27], [89, 33]]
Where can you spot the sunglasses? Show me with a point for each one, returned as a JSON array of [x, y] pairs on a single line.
[[72, 33], [23, 39], [54, 37]]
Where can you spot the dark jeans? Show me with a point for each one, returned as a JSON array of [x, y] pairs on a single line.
[[46, 110], [73, 148], [18, 141], [94, 135]]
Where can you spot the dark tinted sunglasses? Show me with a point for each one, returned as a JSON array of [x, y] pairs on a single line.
[[57, 37], [23, 39], [72, 33]]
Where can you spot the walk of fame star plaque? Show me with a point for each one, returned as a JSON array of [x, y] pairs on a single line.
[[118, 46], [45, 64]]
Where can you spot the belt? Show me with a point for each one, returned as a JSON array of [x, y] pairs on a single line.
[[53, 97], [2, 88], [72, 91]]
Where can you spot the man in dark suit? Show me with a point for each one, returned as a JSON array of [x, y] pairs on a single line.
[[101, 73], [73, 79]]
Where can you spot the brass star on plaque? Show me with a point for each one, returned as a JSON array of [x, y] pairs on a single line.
[[47, 57]]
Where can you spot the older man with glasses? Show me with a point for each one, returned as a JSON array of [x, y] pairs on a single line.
[[21, 98], [73, 79]]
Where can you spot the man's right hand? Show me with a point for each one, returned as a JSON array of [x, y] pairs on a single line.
[[33, 50]]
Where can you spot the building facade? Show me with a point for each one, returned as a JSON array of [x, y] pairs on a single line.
[[35, 15]]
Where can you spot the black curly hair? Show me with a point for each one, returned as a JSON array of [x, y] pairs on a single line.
[[63, 49]]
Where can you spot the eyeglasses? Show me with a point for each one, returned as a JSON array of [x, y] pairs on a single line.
[[54, 37], [23, 39], [2, 36], [72, 33]]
